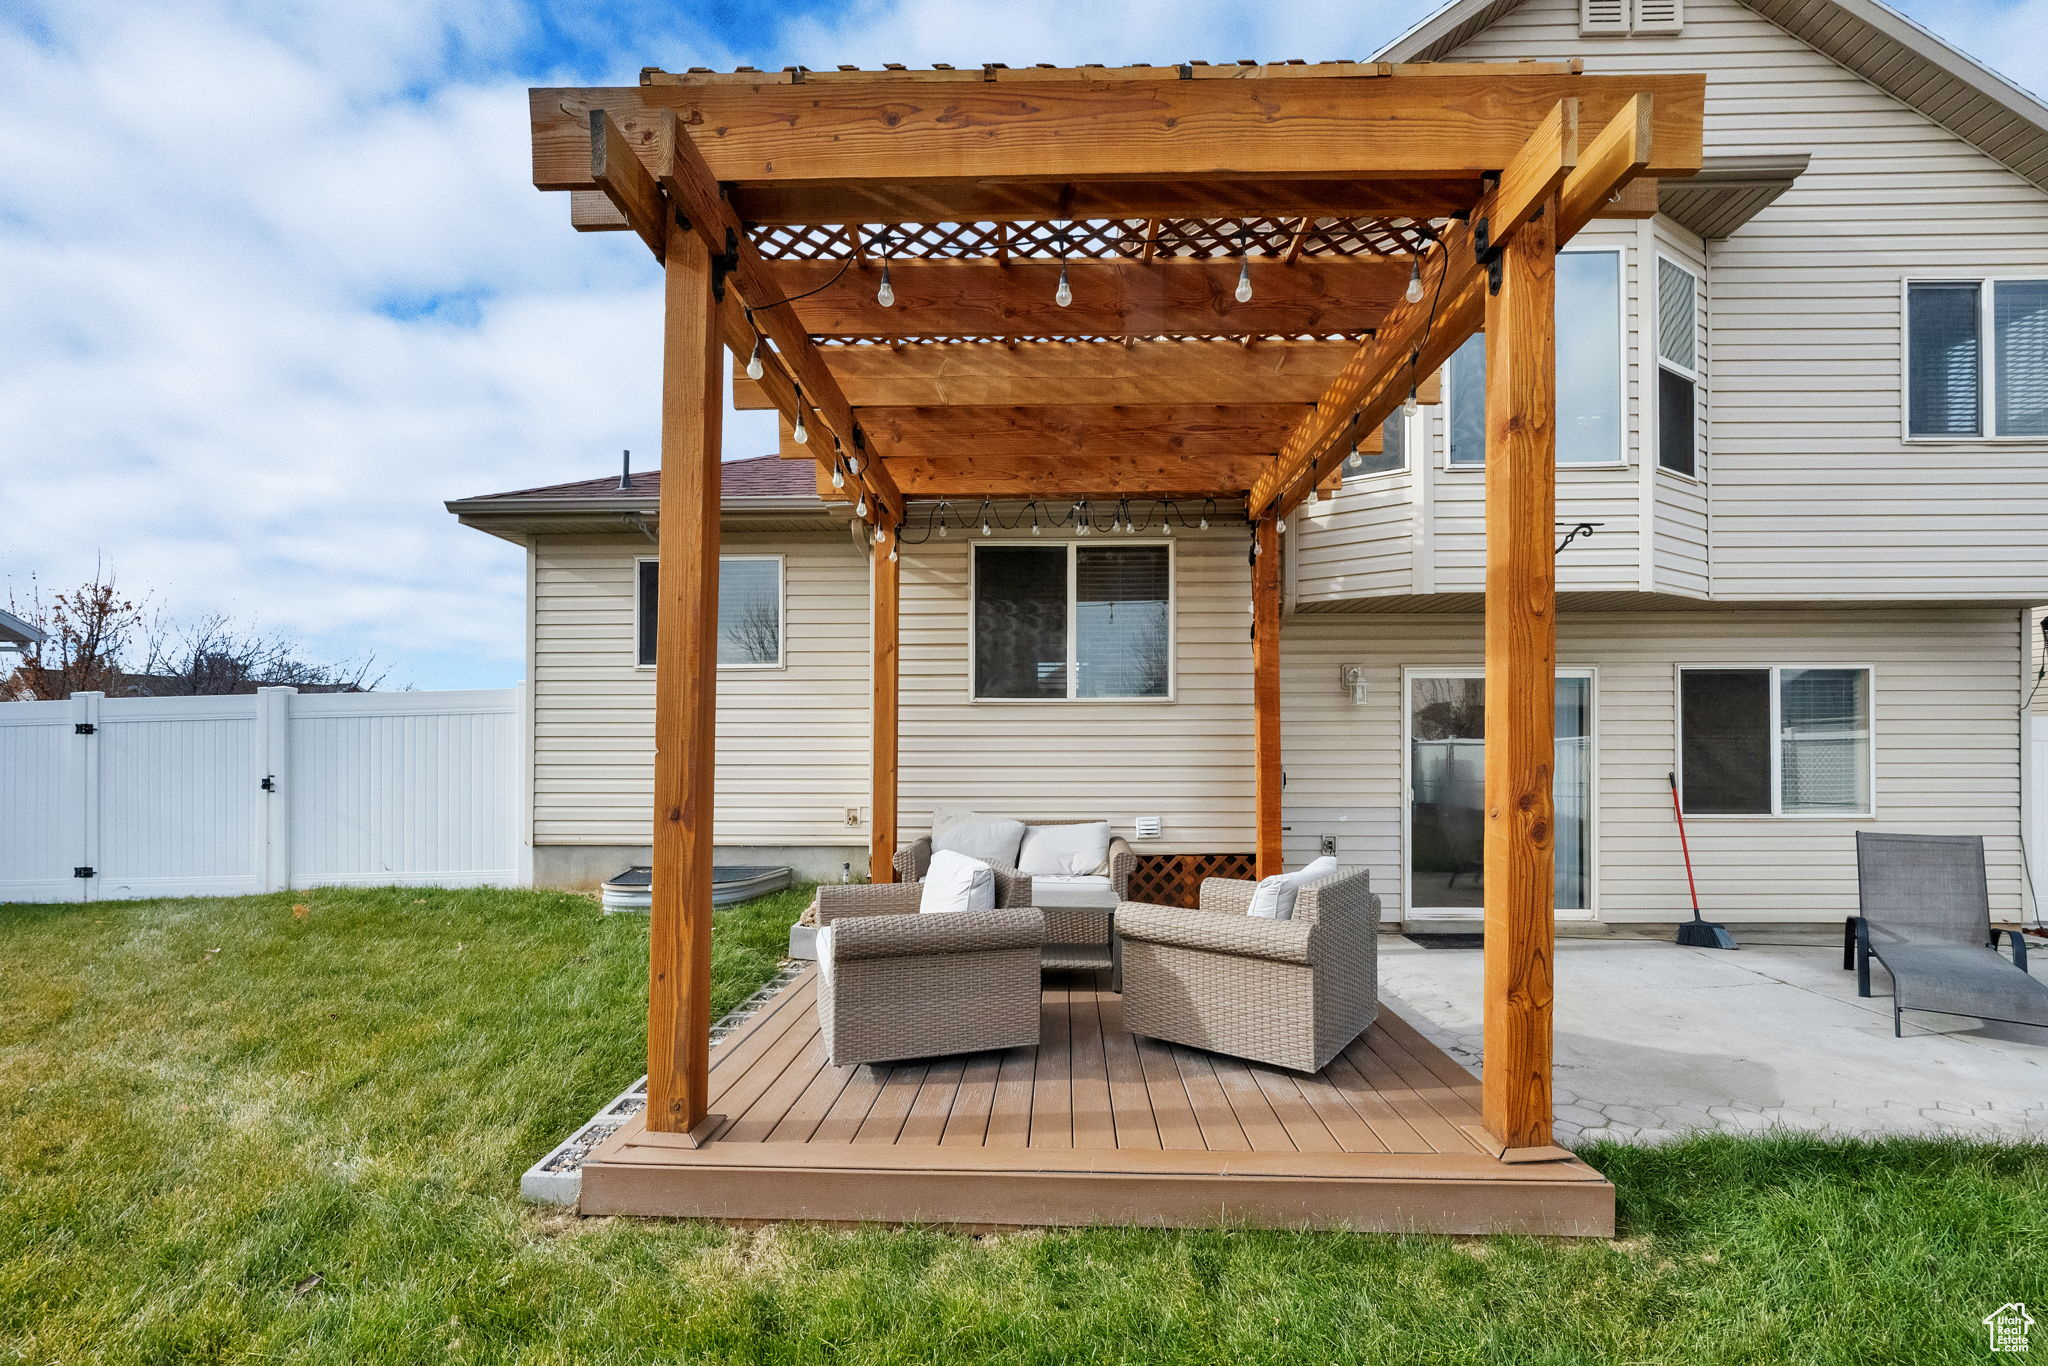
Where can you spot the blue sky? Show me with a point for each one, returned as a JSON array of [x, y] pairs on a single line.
[[274, 284]]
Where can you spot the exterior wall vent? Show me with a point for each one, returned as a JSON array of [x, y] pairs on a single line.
[[1604, 17], [1619, 18], [1660, 16]]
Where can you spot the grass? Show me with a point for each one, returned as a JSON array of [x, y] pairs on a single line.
[[231, 1131]]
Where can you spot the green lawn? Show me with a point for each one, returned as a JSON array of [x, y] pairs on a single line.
[[233, 1132]]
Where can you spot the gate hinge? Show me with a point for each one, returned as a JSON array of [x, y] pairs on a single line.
[[82, 871], [84, 728], [269, 782]]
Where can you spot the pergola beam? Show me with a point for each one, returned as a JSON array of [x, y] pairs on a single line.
[[1417, 338], [1111, 298], [984, 374], [887, 130], [1056, 478], [998, 434]]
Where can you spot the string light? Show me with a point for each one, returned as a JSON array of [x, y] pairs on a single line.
[[1063, 295], [754, 367], [1280, 525], [892, 554], [1034, 519], [1414, 294], [886, 295], [860, 509], [1204, 525], [838, 477], [1409, 406], [1315, 496], [1244, 281]]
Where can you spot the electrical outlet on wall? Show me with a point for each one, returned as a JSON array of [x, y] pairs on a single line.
[[853, 815], [1329, 845]]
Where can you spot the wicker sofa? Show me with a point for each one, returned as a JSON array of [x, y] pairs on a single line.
[[903, 985], [1292, 993], [1078, 910]]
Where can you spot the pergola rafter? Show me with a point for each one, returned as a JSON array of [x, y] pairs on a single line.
[[1154, 191]]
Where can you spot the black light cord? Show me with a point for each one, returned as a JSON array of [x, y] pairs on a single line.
[[941, 514]]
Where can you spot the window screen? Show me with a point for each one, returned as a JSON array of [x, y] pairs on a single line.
[[1120, 627], [2019, 319], [1020, 621], [749, 611], [1677, 424], [1944, 360], [650, 594], [1725, 733]]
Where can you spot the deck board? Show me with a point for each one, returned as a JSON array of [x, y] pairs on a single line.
[[1092, 1126]]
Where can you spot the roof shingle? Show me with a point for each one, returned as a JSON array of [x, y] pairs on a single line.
[[763, 476]]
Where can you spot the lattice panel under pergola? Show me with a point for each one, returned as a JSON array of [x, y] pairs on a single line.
[[1096, 239]]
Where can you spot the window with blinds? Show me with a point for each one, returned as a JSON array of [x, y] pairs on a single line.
[[1073, 621], [1678, 368], [1977, 358], [749, 612], [1776, 741]]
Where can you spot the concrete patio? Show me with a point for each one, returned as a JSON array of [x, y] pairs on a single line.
[[1654, 1041]]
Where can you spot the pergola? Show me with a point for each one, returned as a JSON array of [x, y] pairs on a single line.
[[1068, 251]]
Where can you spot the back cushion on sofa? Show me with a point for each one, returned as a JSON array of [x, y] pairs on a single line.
[[991, 839], [1065, 850], [956, 882]]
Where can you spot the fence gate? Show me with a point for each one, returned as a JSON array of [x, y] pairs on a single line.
[[111, 798]]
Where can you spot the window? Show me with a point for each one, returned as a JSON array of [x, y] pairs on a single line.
[[1392, 456], [1782, 741], [749, 611], [1977, 349], [1073, 621], [1589, 370], [1678, 368]]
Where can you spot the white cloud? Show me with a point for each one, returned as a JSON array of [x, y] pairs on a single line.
[[273, 281]]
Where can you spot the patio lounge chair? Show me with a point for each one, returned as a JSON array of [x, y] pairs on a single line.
[[1291, 993], [1926, 915], [904, 985], [1077, 909]]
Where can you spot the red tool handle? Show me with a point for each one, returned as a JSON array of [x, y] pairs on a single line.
[[1683, 848]]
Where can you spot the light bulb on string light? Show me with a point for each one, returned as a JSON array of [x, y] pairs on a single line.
[[1244, 281], [1414, 294], [892, 554], [886, 294], [1064, 295], [860, 509], [1409, 407], [1280, 525], [838, 477], [754, 367], [802, 433]]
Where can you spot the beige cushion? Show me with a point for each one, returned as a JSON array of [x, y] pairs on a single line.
[[990, 839], [956, 882], [1090, 890], [1064, 850]]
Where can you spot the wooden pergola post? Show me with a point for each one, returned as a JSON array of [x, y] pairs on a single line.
[[686, 692], [1521, 673], [1267, 774], [886, 616]]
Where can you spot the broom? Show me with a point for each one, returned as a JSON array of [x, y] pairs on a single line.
[[1695, 933]]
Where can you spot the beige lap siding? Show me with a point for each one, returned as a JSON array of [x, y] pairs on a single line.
[[1945, 714], [1187, 761], [1814, 494], [792, 742]]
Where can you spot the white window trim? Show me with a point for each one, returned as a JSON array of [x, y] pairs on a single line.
[[1987, 360], [1777, 811], [1409, 910], [1072, 545], [781, 612], [1653, 426], [1620, 253]]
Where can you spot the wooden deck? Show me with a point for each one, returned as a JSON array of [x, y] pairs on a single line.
[[1092, 1127]]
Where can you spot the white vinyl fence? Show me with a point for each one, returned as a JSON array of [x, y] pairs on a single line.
[[104, 798]]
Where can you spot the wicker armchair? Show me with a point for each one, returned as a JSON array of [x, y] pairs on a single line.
[[1291, 993], [903, 985], [1076, 936]]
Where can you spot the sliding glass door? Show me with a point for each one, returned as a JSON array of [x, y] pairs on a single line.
[[1446, 721]]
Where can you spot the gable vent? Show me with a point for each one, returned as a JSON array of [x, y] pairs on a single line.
[[1619, 18], [1660, 16], [1603, 16]]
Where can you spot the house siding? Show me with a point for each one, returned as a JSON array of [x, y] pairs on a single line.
[[1814, 493], [792, 742], [1945, 712]]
